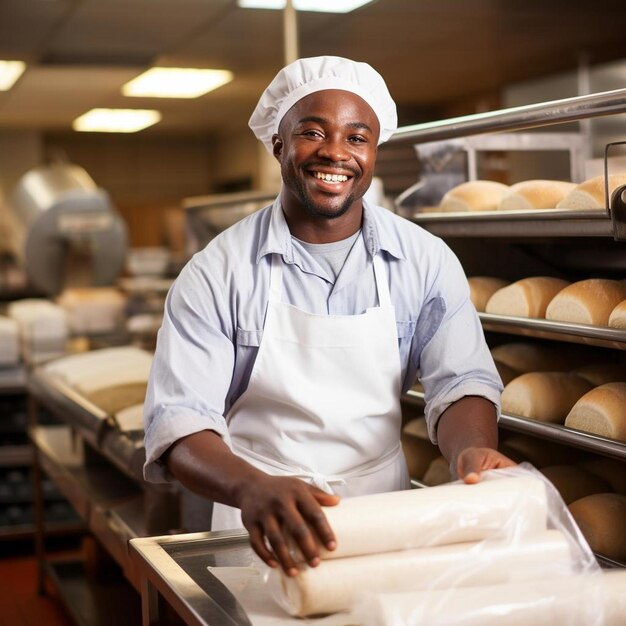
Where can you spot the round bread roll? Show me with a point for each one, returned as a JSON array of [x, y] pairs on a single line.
[[528, 297], [617, 319], [600, 373], [475, 195], [587, 302], [602, 412], [418, 450], [574, 483], [543, 396], [610, 470], [530, 357], [539, 452], [602, 519], [482, 288], [530, 195], [590, 194], [438, 472]]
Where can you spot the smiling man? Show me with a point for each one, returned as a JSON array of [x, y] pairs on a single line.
[[287, 342]]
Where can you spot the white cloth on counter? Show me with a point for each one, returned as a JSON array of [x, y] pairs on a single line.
[[93, 310], [39, 319], [582, 600], [334, 585], [99, 369]]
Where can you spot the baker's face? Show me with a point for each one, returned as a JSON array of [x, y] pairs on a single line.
[[326, 145]]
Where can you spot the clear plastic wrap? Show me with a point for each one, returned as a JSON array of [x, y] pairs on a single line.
[[505, 550]]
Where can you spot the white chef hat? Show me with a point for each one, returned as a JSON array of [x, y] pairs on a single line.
[[306, 76]]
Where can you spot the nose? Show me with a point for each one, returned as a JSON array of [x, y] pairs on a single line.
[[334, 149]]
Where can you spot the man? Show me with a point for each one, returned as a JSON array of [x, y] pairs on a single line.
[[287, 342]]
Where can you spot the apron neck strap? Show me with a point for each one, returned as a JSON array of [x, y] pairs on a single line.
[[276, 278]]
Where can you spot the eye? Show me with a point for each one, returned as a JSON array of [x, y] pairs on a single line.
[[311, 132], [357, 139]]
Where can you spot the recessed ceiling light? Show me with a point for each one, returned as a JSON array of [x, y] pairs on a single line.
[[322, 6], [10, 71], [116, 120], [176, 82]]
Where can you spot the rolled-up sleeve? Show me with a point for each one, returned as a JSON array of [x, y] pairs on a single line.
[[192, 367], [454, 360]]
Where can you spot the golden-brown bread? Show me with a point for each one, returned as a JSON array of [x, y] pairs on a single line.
[[418, 450], [573, 482], [530, 195], [617, 319], [438, 472], [539, 452], [528, 297], [588, 301], [590, 194], [475, 195], [530, 357], [601, 373], [543, 396], [602, 519], [610, 470], [482, 288], [601, 411]]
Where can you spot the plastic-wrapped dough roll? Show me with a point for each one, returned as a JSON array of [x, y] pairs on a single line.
[[583, 600], [333, 585], [435, 516]]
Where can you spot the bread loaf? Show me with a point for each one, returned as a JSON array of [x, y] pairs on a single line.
[[602, 412], [590, 194], [419, 452], [602, 519], [610, 470], [476, 195], [573, 482], [530, 195], [530, 357], [587, 302], [544, 396], [482, 288], [528, 297], [617, 319], [600, 373]]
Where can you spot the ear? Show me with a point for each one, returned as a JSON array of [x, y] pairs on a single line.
[[277, 147]]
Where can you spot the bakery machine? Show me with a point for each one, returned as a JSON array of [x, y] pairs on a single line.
[[69, 233]]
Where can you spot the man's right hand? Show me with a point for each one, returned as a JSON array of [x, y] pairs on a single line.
[[280, 512]]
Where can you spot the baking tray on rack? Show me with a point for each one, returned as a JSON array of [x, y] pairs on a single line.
[[561, 331], [552, 432], [177, 567]]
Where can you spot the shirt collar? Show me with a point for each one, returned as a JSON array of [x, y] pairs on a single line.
[[277, 238]]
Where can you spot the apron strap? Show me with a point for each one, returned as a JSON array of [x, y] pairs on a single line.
[[276, 278], [382, 284]]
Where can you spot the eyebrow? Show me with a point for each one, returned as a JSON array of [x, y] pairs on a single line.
[[322, 120]]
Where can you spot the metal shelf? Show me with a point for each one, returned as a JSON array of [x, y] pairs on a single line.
[[545, 223], [560, 331], [21, 456], [551, 432], [27, 531]]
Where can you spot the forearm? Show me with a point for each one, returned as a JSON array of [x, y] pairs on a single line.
[[203, 463], [470, 422]]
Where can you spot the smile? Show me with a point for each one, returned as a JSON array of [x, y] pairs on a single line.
[[330, 178]]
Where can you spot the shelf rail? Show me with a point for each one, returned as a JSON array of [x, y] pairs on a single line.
[[517, 118]]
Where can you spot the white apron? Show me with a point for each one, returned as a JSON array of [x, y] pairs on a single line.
[[323, 401]]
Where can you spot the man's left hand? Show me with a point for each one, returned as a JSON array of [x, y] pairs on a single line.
[[472, 461]]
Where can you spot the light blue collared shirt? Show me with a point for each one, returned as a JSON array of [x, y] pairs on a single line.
[[215, 310]]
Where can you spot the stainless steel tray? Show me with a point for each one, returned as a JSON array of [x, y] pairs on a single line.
[[175, 568]]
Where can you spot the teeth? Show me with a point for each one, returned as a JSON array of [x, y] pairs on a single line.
[[331, 178]]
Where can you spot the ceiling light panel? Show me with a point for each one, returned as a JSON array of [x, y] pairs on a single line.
[[10, 71], [321, 6], [116, 120], [176, 82]]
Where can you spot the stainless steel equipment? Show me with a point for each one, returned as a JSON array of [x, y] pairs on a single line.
[[70, 234]]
